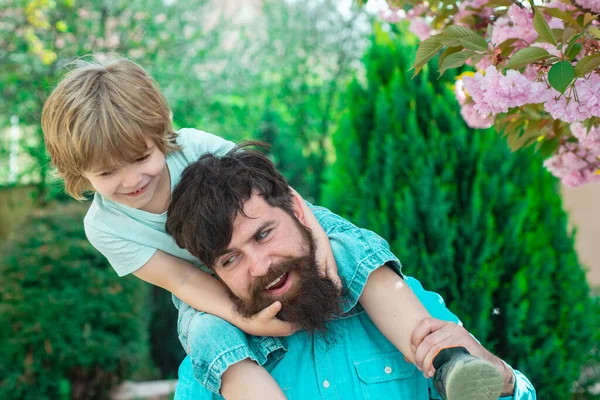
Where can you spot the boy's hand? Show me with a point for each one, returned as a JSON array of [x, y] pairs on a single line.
[[266, 323], [324, 252]]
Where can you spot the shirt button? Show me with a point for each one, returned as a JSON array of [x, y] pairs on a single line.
[[388, 369], [326, 384]]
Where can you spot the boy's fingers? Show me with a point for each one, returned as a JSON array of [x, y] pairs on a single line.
[[336, 281], [270, 312]]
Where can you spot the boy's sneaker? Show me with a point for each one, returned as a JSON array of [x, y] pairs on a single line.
[[460, 376]]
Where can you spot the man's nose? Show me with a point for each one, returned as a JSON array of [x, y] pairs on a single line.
[[260, 265]]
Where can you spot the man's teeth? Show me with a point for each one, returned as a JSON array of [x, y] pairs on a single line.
[[275, 282]]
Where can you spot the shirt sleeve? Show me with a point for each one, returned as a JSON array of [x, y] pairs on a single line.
[[524, 390], [196, 143], [123, 255]]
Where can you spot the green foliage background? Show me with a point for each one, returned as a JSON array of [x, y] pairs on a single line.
[[70, 328]]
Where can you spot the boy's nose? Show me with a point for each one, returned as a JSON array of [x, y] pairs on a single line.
[[131, 180]]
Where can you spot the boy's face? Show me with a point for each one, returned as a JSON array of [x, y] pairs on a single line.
[[134, 185]]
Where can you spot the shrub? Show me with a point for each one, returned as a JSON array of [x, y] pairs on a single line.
[[480, 225], [69, 327]]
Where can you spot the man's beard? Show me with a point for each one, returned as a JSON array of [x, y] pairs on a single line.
[[308, 305]]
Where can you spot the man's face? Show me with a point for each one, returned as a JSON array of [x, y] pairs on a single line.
[[271, 256]]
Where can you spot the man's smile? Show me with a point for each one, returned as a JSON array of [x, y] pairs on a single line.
[[280, 285]]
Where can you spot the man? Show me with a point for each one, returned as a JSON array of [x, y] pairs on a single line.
[[237, 215]]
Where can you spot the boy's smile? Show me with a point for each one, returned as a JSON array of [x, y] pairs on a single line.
[[143, 184]]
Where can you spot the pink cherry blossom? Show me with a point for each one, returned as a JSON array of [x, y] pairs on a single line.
[[576, 163], [494, 92], [517, 24], [593, 5], [568, 107], [420, 27], [472, 8], [474, 119]]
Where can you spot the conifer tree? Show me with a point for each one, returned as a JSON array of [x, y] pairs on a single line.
[[482, 226]]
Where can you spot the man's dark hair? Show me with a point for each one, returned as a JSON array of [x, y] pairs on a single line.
[[212, 192]]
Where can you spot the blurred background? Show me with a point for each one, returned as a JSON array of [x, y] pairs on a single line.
[[328, 85]]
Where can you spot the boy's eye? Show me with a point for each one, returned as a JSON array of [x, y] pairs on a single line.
[[106, 173], [142, 158], [263, 235]]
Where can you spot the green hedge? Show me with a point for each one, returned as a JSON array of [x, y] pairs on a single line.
[[480, 225], [69, 327]]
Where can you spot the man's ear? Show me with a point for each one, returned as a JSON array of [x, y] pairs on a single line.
[[299, 207]]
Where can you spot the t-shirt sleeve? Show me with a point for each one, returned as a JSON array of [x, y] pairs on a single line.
[[195, 143], [123, 255]]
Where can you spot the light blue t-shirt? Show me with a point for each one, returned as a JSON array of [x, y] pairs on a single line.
[[129, 237]]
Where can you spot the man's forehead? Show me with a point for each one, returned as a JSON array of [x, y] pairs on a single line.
[[255, 210]]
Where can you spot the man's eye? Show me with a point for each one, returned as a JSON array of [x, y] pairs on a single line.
[[263, 234], [142, 158], [228, 261]]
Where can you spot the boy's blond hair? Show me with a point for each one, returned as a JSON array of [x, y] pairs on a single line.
[[100, 116]]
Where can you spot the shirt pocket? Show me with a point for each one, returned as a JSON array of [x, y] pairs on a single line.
[[385, 376]]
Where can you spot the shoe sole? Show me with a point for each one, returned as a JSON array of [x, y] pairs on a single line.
[[475, 379]]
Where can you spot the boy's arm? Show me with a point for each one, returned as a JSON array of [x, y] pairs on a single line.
[[205, 293], [394, 308]]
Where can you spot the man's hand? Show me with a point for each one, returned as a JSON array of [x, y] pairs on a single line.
[[266, 323], [432, 335]]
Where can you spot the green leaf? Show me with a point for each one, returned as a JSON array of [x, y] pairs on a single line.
[[573, 50], [456, 32], [561, 75], [460, 36], [506, 46], [568, 34], [478, 57], [427, 49], [456, 60], [560, 14], [594, 31], [548, 147], [588, 18], [476, 42], [498, 3], [541, 27], [527, 56], [587, 65], [446, 53]]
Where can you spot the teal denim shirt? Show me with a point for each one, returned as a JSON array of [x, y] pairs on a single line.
[[355, 361]]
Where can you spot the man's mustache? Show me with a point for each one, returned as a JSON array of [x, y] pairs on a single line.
[[275, 271]]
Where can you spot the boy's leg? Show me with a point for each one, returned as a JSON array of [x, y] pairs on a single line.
[[397, 311], [394, 308]]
